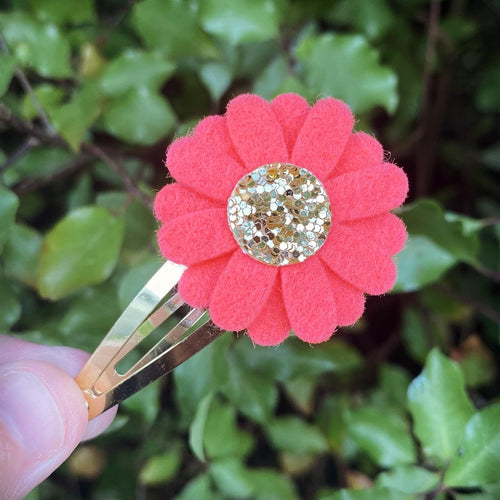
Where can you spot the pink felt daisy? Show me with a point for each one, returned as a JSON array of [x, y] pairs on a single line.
[[282, 216]]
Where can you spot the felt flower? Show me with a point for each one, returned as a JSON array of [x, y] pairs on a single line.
[[281, 214]]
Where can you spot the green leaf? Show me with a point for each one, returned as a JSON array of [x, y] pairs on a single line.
[[160, 468], [479, 461], [62, 11], [72, 120], [9, 204], [294, 435], [377, 493], [295, 358], [140, 116], [373, 19], [268, 82], [8, 65], [393, 382], [332, 418], [197, 428], [88, 318], [240, 21], [135, 68], [385, 437], [40, 46], [81, 193], [420, 263], [82, 249], [190, 388], [455, 234], [10, 308], [217, 78], [300, 391], [38, 163], [145, 402], [22, 254], [440, 407], [415, 335], [232, 478], [171, 27], [135, 278], [199, 488], [409, 479], [140, 224], [347, 67], [253, 394], [268, 484], [222, 438]]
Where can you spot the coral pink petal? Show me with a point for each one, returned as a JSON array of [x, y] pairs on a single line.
[[367, 192], [386, 231], [271, 326], [175, 200], [255, 131], [350, 302], [196, 237], [241, 292], [198, 281], [204, 161], [309, 300], [354, 258], [361, 151], [322, 139], [291, 110]]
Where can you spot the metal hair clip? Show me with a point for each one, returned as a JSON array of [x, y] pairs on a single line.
[[101, 381]]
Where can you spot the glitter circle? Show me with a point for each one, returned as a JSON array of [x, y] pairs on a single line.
[[279, 214]]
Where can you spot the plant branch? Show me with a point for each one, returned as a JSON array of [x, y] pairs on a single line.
[[28, 144], [115, 165], [484, 309], [29, 90], [93, 150], [65, 169]]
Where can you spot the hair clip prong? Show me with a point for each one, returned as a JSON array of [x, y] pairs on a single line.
[[100, 380]]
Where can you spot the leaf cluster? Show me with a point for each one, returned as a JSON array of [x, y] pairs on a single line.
[[404, 405]]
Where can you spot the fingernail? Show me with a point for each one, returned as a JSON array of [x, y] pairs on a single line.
[[29, 412]]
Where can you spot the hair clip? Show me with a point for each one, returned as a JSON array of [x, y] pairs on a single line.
[[280, 220]]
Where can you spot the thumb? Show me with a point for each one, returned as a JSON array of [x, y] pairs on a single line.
[[43, 416]]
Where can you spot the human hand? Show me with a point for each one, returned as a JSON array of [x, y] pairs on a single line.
[[43, 415]]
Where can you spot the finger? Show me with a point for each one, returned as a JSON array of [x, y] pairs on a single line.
[[68, 359], [43, 416]]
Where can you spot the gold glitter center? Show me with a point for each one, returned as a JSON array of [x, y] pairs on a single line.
[[279, 214]]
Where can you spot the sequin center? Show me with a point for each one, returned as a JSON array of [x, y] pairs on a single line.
[[279, 214]]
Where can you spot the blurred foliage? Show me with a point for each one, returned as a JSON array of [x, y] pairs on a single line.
[[404, 405]]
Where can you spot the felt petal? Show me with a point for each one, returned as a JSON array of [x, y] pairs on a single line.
[[386, 231], [291, 110], [355, 259], [309, 300], [206, 160], [349, 301], [241, 292], [196, 237], [367, 192], [255, 131], [322, 139], [361, 151], [198, 281], [271, 326], [175, 200]]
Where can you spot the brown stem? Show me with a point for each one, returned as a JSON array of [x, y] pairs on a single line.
[[65, 169], [29, 90], [115, 165]]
